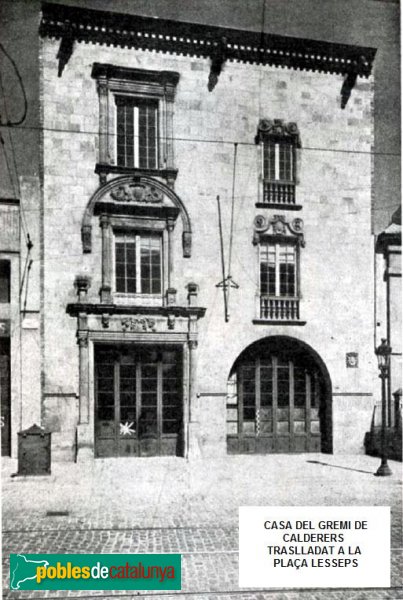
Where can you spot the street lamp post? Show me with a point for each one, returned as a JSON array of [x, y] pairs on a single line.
[[383, 352]]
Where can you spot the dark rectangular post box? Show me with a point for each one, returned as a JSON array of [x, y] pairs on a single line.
[[34, 446]]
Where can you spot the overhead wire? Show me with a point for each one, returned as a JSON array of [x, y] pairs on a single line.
[[10, 175], [206, 141], [13, 153], [24, 95], [23, 222], [18, 125]]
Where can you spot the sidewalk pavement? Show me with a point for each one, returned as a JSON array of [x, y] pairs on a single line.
[[172, 505]]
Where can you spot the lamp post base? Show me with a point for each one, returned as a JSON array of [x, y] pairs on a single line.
[[384, 469]]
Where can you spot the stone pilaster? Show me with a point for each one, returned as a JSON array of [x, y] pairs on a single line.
[[103, 120], [106, 286]]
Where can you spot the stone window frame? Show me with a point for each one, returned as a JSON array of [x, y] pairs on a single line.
[[142, 84], [279, 308], [277, 230], [110, 225]]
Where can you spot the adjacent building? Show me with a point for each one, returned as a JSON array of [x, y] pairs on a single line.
[[388, 311], [206, 282]]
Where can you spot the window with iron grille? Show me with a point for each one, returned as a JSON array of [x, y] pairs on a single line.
[[279, 142], [278, 282], [136, 132], [138, 263]]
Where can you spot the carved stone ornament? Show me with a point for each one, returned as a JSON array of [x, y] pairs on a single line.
[[171, 322], [278, 226], [138, 324], [277, 129], [260, 223], [137, 192], [82, 339], [187, 244], [352, 360], [297, 225], [86, 238]]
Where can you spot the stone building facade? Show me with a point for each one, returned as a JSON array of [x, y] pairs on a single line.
[[157, 137]]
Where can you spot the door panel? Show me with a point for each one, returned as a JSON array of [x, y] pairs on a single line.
[[139, 403]]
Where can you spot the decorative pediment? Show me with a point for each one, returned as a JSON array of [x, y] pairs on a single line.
[[278, 227], [142, 197], [278, 130]]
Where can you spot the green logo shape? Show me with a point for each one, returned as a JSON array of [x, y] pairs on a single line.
[[95, 572]]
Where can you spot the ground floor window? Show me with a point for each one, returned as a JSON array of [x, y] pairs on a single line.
[[275, 402], [138, 401]]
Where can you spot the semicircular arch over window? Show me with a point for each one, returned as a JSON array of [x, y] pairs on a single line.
[[279, 399]]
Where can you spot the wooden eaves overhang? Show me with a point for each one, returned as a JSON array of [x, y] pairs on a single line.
[[71, 24]]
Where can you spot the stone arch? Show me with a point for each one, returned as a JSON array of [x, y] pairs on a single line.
[[298, 352], [86, 227]]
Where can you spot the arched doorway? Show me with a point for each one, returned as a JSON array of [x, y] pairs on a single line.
[[279, 399]]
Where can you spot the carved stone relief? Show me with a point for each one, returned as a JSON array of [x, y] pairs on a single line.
[[138, 324], [137, 192], [277, 128], [278, 226]]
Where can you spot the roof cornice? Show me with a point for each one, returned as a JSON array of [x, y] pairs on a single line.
[[70, 23]]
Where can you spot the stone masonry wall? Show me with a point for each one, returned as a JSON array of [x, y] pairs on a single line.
[[334, 190]]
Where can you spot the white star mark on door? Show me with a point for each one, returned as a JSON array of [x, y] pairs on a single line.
[[126, 428]]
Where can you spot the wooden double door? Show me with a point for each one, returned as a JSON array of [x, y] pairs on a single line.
[[138, 401], [275, 406]]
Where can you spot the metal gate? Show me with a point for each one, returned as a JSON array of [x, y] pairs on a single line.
[[138, 401]]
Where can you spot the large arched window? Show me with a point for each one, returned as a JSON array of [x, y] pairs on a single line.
[[277, 400]]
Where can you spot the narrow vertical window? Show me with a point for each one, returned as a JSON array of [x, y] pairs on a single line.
[[278, 270], [136, 132], [268, 269], [125, 264], [285, 162], [4, 281], [278, 285], [147, 136], [287, 272], [279, 142], [151, 264], [278, 161], [269, 160]]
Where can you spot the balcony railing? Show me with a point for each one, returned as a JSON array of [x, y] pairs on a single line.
[[279, 309], [276, 192]]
